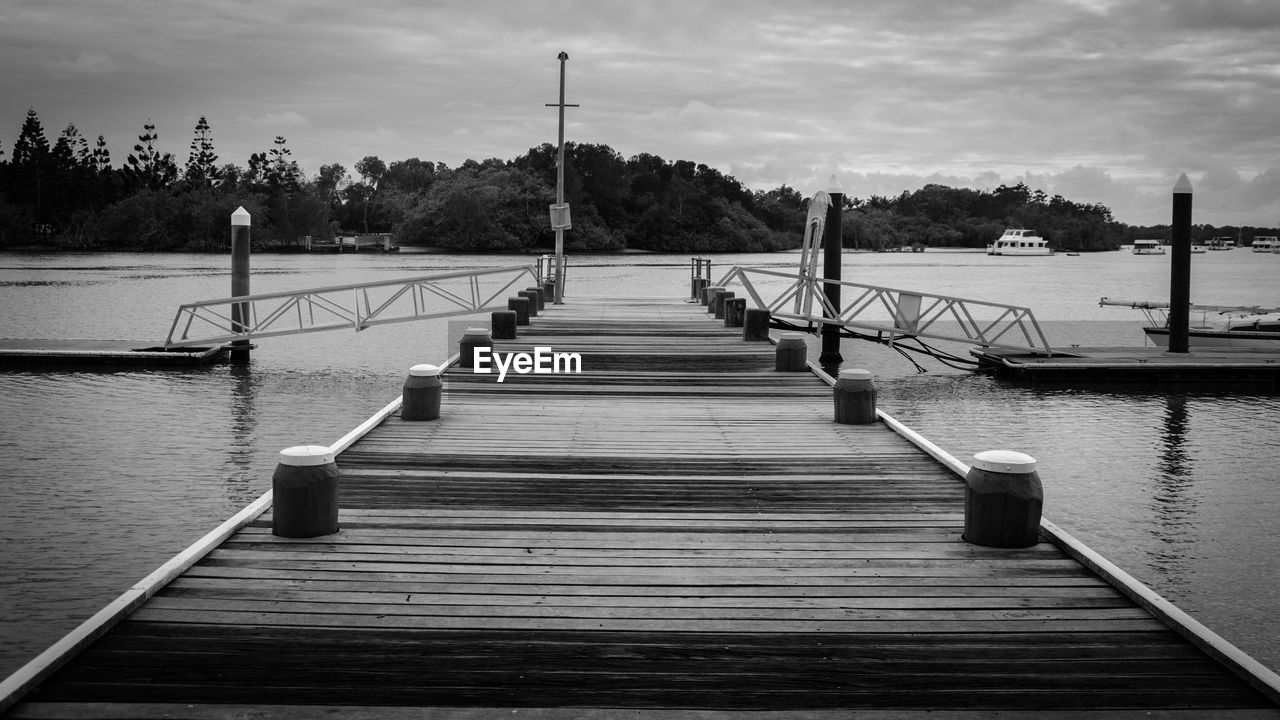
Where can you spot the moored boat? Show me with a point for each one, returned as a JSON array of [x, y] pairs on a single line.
[[1266, 244], [1147, 247], [1019, 241], [1234, 326]]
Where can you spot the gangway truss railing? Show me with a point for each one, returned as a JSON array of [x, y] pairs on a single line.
[[889, 312], [358, 306]]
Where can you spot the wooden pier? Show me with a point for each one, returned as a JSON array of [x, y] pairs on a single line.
[[679, 531], [1139, 367], [104, 353]]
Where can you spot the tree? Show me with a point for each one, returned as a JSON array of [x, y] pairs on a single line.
[[202, 163], [146, 168], [281, 170], [371, 171], [29, 168]]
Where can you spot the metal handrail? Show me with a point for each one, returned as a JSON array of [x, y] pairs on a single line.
[[910, 313], [335, 307]]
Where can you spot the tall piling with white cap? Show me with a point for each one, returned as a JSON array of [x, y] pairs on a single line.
[[1180, 268], [305, 492], [239, 282], [1003, 500]]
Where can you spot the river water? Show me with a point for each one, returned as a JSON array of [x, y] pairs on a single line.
[[107, 474]]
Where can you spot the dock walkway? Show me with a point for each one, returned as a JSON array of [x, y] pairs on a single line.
[[679, 528]]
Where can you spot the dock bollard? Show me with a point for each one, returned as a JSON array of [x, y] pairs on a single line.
[[707, 292], [717, 303], [1003, 500], [734, 309], [503, 324], [532, 297], [549, 290], [304, 493], [541, 297], [521, 306], [699, 284], [473, 338], [855, 397], [791, 353], [755, 324], [420, 399]]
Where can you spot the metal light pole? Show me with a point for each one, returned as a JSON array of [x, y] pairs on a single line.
[[560, 211]]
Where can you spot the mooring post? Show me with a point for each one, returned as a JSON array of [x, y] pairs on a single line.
[[1003, 500], [717, 303], [832, 247], [304, 492], [790, 353], [520, 305], [503, 324], [472, 338], [1180, 268], [855, 397], [239, 282], [755, 324], [735, 311], [420, 397]]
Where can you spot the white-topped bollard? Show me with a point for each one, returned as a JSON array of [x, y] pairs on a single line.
[[421, 395], [472, 338], [1003, 500], [305, 493], [855, 397]]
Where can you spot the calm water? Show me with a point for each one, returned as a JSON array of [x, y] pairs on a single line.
[[108, 474]]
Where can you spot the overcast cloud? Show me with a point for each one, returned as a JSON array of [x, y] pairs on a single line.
[[1096, 100]]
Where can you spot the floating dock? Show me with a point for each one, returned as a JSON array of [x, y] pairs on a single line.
[[1138, 367], [104, 353], [678, 531]]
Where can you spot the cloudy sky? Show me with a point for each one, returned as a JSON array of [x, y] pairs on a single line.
[[1096, 100]]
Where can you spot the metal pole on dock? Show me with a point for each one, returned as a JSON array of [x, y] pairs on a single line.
[[239, 281], [1180, 268], [832, 248], [561, 212]]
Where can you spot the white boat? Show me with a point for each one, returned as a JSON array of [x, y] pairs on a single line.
[[1266, 244], [1212, 325], [1221, 242], [1017, 241], [1197, 249], [1147, 247]]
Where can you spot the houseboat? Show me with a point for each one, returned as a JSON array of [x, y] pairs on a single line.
[[1266, 244], [1017, 241], [1222, 242], [1147, 247]]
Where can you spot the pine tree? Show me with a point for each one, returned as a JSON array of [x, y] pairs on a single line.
[[101, 157], [202, 164], [146, 168], [29, 169]]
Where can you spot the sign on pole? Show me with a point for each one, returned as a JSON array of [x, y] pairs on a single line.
[[560, 216]]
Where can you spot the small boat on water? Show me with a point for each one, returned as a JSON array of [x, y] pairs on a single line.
[[1198, 249], [1222, 242], [1266, 244], [1212, 325], [1147, 247], [1019, 241]]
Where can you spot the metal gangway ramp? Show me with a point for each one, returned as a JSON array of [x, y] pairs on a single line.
[[354, 306]]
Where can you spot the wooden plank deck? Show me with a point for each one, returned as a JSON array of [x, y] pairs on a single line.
[[677, 532]]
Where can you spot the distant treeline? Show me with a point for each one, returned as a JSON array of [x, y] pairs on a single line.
[[71, 195]]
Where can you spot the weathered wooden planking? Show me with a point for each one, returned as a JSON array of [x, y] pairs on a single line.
[[677, 529]]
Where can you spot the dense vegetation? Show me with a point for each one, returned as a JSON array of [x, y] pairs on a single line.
[[70, 195]]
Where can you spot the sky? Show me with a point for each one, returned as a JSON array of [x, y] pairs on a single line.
[[1099, 101]]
